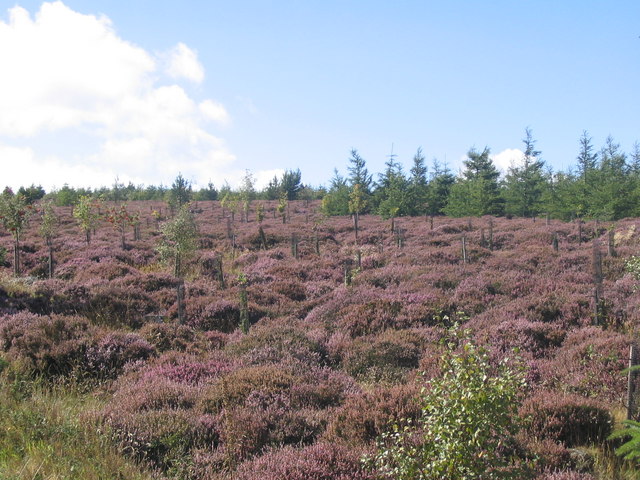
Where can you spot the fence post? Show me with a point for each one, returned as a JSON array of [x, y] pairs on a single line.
[[464, 249], [631, 387], [180, 293]]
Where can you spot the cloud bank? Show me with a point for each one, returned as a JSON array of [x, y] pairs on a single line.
[[80, 105]]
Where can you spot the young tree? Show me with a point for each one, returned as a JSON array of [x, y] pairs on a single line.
[[283, 203], [336, 200], [179, 239], [468, 423], [260, 213], [247, 193], [612, 195], [291, 184], [391, 194], [359, 175], [272, 190], [477, 193], [14, 214], [48, 229], [524, 184], [587, 158], [635, 160], [86, 216], [32, 193], [120, 218], [440, 183], [208, 193], [357, 204], [180, 192], [418, 188], [230, 202]]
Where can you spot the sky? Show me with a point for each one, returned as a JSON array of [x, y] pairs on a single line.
[[140, 91]]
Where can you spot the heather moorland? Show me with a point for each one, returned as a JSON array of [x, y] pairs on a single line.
[[280, 346]]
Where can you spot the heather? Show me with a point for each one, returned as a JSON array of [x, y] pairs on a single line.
[[293, 357]]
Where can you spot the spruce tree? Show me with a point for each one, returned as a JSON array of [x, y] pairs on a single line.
[[358, 173], [524, 184], [477, 192], [418, 186]]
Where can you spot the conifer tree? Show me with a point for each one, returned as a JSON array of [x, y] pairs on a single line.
[[440, 182], [359, 175], [418, 186], [391, 192], [524, 184], [336, 200], [477, 192]]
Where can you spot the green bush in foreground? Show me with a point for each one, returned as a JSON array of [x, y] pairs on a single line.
[[467, 427]]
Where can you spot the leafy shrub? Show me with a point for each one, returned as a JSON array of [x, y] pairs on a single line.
[[468, 425]]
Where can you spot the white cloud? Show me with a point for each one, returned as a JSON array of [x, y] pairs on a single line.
[[69, 75], [50, 171], [183, 63], [214, 111], [507, 158], [62, 67]]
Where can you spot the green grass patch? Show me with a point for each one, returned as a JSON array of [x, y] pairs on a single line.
[[47, 433]]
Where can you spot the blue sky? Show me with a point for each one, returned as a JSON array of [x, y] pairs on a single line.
[[143, 90]]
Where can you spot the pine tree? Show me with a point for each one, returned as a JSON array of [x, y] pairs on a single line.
[[477, 192], [439, 188], [336, 200], [359, 175], [180, 193], [291, 184], [583, 189], [612, 190], [524, 184], [391, 191], [418, 186]]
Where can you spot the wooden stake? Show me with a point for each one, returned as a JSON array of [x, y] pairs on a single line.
[[631, 387], [464, 249]]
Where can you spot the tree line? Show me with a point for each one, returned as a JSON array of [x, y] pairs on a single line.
[[602, 184]]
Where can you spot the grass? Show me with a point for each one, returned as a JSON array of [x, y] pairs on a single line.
[[46, 434], [607, 465]]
